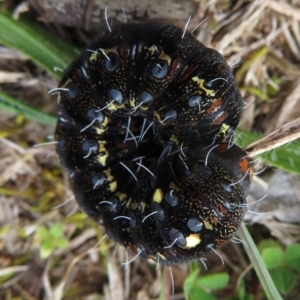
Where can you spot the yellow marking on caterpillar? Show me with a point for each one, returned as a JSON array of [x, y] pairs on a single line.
[[143, 204], [58, 99], [93, 57], [174, 139], [105, 122], [161, 256], [208, 225], [108, 175], [121, 196], [172, 185], [102, 147], [224, 128], [200, 82], [114, 107], [128, 203], [106, 51], [192, 241], [152, 49], [132, 101], [113, 184], [134, 206], [100, 130], [64, 85], [102, 158], [158, 195], [156, 114], [164, 56], [144, 108], [103, 126]]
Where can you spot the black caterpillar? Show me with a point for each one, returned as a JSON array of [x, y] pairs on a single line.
[[145, 117]]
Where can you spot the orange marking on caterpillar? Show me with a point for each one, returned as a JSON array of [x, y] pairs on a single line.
[[220, 118], [215, 105], [244, 165]]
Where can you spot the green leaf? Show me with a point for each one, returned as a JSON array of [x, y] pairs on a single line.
[[56, 230], [42, 232], [284, 279], [77, 217], [45, 252], [271, 90], [267, 243], [248, 297], [48, 244], [256, 55], [213, 281], [273, 257], [189, 282], [258, 264], [292, 256], [198, 294], [255, 91], [241, 290], [61, 242], [39, 45], [286, 157], [16, 107]]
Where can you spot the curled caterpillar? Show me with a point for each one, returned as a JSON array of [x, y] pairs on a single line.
[[144, 117]]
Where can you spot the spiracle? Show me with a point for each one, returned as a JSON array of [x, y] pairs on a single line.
[[145, 117]]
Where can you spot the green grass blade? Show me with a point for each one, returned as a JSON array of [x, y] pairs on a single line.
[[259, 265], [16, 107], [286, 157], [39, 45]]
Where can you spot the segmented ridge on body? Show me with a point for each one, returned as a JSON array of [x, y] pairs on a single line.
[[144, 120]]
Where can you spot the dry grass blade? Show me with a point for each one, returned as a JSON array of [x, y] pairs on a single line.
[[284, 65], [116, 290], [248, 22], [283, 135], [79, 240], [285, 9], [14, 269], [289, 105], [290, 40], [11, 77], [59, 290]]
